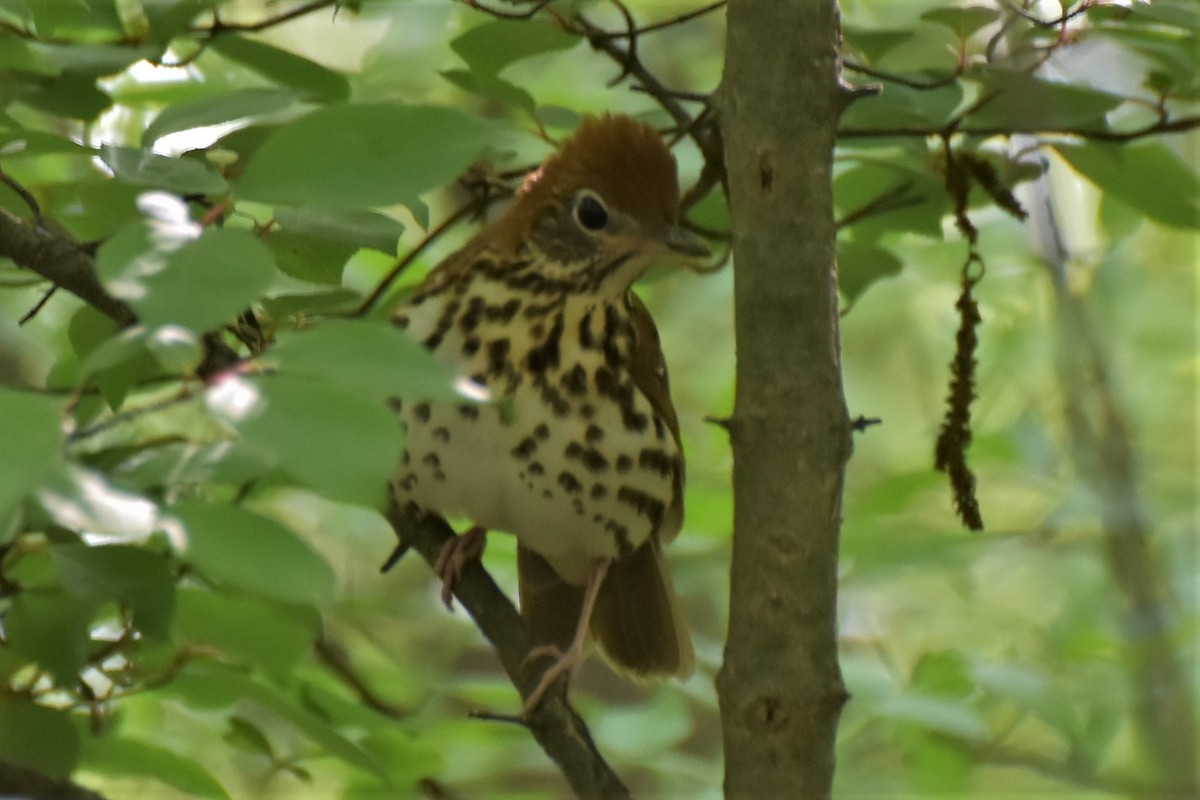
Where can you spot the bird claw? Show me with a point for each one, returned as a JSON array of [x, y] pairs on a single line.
[[567, 662], [454, 556]]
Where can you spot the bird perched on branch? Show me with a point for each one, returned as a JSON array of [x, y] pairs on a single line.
[[582, 460]]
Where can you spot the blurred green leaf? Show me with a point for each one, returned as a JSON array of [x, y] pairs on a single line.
[[284, 67], [491, 87], [944, 716], [37, 737], [245, 735], [1172, 198], [246, 629], [1025, 103], [30, 425], [50, 629], [490, 47], [199, 283], [900, 106], [125, 758], [963, 20], [246, 550], [359, 156], [231, 106], [375, 358], [942, 674], [353, 227], [214, 685], [144, 168], [135, 576], [861, 264], [330, 438]]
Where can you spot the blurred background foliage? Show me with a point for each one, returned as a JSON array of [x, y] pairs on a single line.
[[189, 585]]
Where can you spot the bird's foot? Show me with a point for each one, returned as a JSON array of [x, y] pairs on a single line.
[[567, 662], [455, 554]]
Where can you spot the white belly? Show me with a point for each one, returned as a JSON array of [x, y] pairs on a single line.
[[573, 486]]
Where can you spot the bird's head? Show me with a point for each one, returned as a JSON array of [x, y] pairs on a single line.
[[602, 209]]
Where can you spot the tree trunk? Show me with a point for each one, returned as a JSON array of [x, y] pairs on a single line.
[[780, 687]]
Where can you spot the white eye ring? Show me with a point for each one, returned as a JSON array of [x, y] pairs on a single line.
[[590, 211]]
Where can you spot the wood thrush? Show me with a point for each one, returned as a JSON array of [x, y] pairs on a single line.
[[582, 462]]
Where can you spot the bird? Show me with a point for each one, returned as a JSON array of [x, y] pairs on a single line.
[[579, 456]]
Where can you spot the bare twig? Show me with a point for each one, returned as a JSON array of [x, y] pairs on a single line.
[[1162, 126], [219, 27], [332, 655]]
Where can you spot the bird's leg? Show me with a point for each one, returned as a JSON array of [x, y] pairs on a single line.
[[569, 661], [455, 554]]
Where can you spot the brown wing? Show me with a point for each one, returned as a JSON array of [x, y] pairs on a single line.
[[649, 370]]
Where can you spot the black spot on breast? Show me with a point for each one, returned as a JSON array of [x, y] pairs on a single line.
[[395, 404], [552, 398], [656, 460], [660, 427], [577, 504], [471, 346], [587, 410], [569, 482], [442, 434], [542, 431], [405, 459], [633, 420], [536, 469], [497, 356], [401, 320], [468, 411], [503, 313], [643, 504], [594, 434], [585, 332], [613, 328], [624, 463], [526, 448], [470, 318], [594, 460], [620, 536], [546, 355], [431, 460], [421, 412], [575, 380], [599, 491]]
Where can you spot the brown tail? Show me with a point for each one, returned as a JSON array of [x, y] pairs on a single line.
[[636, 620]]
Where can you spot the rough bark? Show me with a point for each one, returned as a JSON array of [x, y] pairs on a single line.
[[780, 687]]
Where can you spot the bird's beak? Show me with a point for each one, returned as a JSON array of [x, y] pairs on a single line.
[[685, 243]]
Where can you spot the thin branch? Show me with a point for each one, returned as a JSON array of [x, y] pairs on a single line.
[[678, 20], [61, 261], [1049, 23], [560, 731], [892, 200], [891, 77], [219, 27], [1163, 126], [333, 656]]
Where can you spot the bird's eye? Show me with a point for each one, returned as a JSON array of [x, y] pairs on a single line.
[[590, 211]]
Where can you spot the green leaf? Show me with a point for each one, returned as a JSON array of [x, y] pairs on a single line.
[[330, 438], [491, 87], [180, 175], [137, 577], [492, 46], [240, 548], [284, 67], [942, 674], [119, 363], [944, 716], [376, 358], [309, 258], [861, 264], [353, 227], [1171, 198], [30, 425], [125, 758], [212, 685], [70, 95], [31, 735], [231, 106], [1024, 103], [199, 283], [248, 737], [963, 20], [247, 629], [903, 106], [50, 628], [357, 156]]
